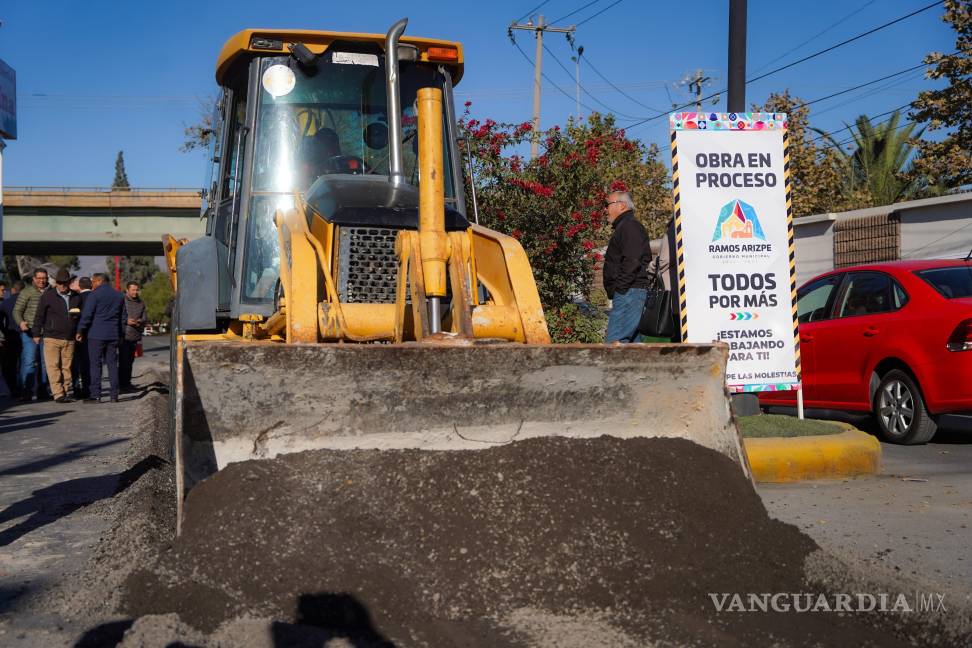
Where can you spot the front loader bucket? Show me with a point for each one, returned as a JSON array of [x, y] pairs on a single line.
[[253, 400]]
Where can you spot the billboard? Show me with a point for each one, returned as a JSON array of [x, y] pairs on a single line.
[[8, 102], [734, 242]]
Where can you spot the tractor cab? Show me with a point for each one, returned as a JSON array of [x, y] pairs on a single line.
[[308, 113]]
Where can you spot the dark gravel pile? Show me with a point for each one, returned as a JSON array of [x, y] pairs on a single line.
[[534, 543]]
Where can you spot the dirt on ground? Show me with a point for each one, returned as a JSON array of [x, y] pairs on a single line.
[[545, 542]]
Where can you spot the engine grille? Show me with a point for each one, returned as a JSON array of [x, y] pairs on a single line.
[[368, 267]]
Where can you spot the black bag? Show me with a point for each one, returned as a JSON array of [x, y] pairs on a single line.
[[656, 318]]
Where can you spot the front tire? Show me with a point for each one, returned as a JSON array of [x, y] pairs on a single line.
[[899, 410]]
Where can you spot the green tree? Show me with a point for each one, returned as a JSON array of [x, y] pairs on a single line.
[[120, 183], [948, 162], [140, 269], [877, 165], [157, 295], [816, 172], [70, 261], [554, 205]]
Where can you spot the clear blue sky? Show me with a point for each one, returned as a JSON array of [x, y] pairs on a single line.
[[100, 76]]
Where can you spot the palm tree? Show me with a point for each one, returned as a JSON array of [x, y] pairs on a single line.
[[878, 160]]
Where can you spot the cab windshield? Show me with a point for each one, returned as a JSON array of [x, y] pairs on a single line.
[[324, 121]]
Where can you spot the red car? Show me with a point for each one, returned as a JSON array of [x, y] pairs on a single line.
[[894, 339]]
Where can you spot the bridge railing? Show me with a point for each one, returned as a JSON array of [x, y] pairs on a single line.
[[106, 190]]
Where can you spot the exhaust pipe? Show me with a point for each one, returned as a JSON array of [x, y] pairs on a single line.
[[396, 173]]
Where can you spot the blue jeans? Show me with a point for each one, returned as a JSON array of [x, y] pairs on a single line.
[[625, 315], [32, 364]]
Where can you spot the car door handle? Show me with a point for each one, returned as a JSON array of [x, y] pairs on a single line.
[[871, 331], [806, 338]]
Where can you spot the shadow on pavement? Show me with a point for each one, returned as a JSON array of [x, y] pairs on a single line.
[[14, 423], [9, 594], [106, 634], [50, 504], [324, 617], [73, 451]]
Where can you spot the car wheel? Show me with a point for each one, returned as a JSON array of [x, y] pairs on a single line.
[[900, 410]]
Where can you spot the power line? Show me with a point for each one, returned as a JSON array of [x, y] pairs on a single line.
[[578, 9], [592, 17], [864, 85], [547, 79], [845, 42], [530, 13], [619, 90], [583, 89], [864, 95], [797, 62], [848, 127], [815, 36]]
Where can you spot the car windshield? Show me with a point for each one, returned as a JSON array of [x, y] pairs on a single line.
[[332, 119], [952, 283]]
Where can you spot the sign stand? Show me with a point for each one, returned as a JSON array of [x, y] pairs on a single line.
[[735, 251]]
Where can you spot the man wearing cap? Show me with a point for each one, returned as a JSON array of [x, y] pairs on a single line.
[[55, 321]]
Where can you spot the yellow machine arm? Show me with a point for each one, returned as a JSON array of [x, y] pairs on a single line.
[[433, 264]]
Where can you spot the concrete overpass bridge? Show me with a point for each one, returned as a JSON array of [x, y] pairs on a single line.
[[97, 220]]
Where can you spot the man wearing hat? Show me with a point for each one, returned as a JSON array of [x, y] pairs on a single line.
[[56, 321]]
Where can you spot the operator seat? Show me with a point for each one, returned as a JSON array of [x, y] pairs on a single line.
[[315, 153]]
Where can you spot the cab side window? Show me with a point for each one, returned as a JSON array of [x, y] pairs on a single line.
[[870, 293], [232, 162], [814, 300]]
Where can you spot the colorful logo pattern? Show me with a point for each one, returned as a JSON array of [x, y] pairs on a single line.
[[737, 220], [727, 121]]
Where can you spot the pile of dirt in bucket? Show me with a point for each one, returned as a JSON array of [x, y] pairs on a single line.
[[547, 541]]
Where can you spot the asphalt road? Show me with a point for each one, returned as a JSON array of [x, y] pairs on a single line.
[[57, 461], [915, 517]]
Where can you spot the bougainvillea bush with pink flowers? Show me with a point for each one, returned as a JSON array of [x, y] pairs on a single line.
[[554, 204]]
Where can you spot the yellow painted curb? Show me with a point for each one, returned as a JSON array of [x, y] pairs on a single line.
[[831, 456]]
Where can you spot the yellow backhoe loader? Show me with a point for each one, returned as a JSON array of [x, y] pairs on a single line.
[[342, 298]]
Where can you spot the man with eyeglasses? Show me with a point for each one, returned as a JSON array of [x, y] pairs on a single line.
[[625, 269]]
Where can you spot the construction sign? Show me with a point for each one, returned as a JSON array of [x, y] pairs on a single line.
[[8, 102], [734, 242]]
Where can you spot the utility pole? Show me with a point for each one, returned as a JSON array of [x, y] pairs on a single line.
[[737, 56], [538, 29], [696, 86], [576, 60]]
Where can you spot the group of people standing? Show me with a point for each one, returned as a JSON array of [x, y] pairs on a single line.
[[58, 339]]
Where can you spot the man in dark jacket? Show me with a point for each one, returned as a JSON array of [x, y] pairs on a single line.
[[53, 321], [102, 325], [625, 269], [82, 366], [11, 342], [134, 324]]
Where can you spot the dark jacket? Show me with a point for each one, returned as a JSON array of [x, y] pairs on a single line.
[[7, 321], [103, 316], [135, 309], [627, 257], [53, 319]]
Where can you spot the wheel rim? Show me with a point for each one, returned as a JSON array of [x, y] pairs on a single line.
[[896, 408]]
